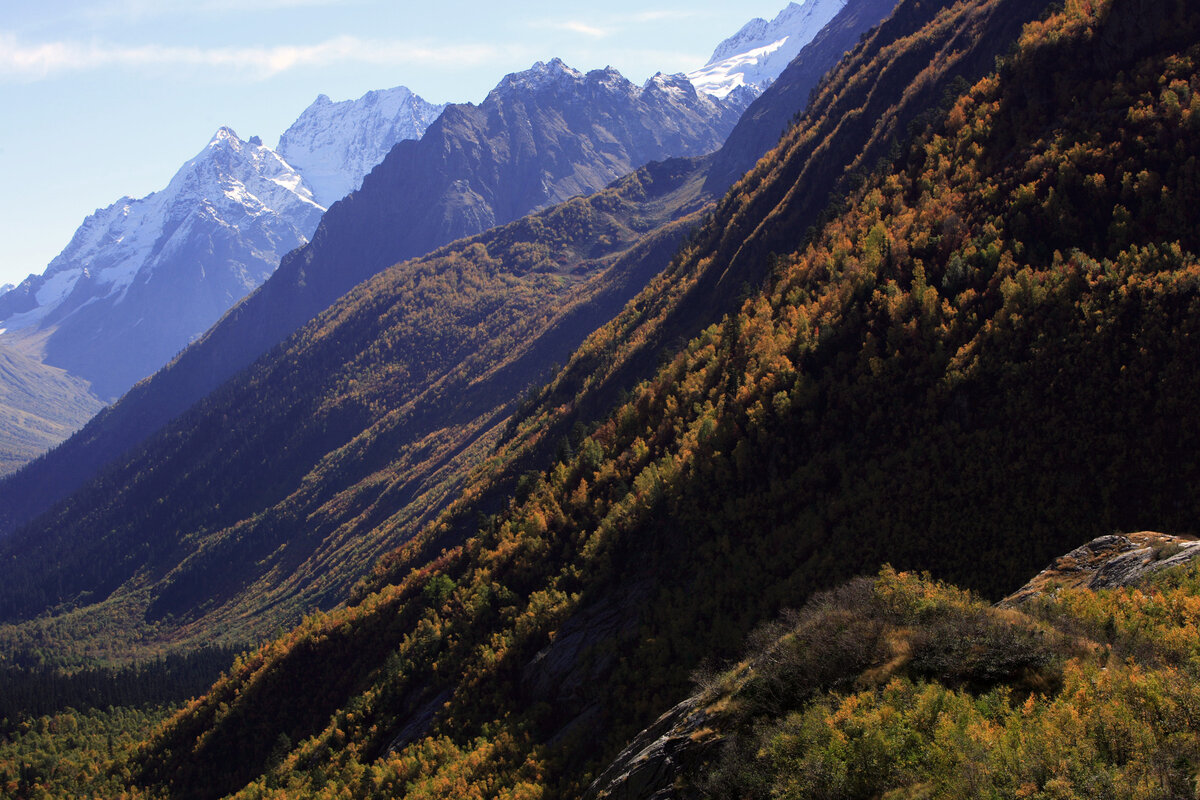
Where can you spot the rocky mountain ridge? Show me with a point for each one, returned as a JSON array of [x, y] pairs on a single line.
[[1108, 562]]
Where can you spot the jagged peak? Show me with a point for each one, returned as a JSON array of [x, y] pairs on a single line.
[[541, 75], [670, 82], [224, 134], [333, 144], [557, 74], [400, 94]]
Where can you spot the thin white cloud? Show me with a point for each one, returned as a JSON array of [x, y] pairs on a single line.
[[35, 61], [573, 26], [141, 9], [613, 23], [664, 14]]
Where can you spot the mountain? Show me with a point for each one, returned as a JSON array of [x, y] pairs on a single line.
[[965, 366], [142, 278], [39, 407], [978, 355], [760, 125], [334, 145], [749, 61], [540, 137], [242, 514], [453, 394]]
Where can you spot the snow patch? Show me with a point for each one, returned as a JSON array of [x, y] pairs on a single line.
[[756, 55], [334, 145]]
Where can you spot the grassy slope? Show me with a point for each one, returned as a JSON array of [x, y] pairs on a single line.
[[39, 407]]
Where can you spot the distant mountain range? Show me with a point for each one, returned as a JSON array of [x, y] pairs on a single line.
[[143, 278]]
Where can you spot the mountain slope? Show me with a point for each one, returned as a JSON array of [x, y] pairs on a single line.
[[969, 366], [540, 137], [357, 429], [292, 440]]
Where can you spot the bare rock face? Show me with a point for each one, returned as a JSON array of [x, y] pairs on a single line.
[[1108, 562], [648, 768]]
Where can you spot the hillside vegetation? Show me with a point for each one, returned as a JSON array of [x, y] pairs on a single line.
[[39, 407], [873, 690], [272, 496], [981, 355], [981, 359]]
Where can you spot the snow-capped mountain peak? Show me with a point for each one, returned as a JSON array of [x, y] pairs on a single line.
[[677, 84], [756, 55], [335, 144], [543, 75], [189, 250], [143, 277]]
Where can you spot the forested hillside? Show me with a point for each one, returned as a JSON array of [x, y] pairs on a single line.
[[275, 494], [969, 368], [980, 355]]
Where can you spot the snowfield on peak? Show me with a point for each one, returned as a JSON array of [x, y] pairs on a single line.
[[334, 145], [754, 57], [142, 278], [230, 181]]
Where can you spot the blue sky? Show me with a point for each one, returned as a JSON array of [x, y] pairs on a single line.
[[105, 98]]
